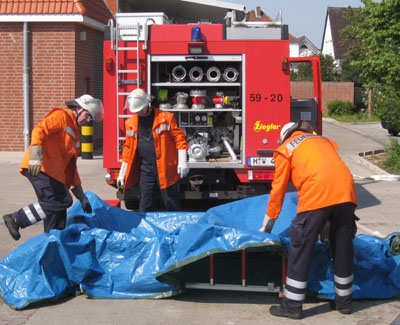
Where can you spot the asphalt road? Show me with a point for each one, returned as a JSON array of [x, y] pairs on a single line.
[[379, 204]]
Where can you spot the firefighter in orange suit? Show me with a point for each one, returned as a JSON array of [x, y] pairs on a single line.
[[50, 165], [327, 200], [154, 155]]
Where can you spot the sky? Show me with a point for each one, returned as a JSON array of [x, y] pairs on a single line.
[[305, 18]]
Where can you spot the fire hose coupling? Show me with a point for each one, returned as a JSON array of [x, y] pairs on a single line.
[[219, 100], [230, 74], [198, 98], [181, 98], [179, 73], [213, 74], [196, 74]]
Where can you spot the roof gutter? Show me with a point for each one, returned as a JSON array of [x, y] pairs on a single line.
[[55, 18]]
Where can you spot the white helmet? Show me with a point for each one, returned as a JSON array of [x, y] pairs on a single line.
[[285, 130], [93, 105], [137, 100]]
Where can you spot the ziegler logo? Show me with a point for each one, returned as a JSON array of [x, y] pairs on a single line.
[[258, 126]]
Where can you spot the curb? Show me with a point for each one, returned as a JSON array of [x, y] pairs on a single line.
[[368, 164], [381, 175]]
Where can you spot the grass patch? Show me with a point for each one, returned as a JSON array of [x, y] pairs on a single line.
[[360, 117], [392, 162]]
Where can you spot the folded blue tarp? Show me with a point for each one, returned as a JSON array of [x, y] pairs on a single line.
[[113, 253]]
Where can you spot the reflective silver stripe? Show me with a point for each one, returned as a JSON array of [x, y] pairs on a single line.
[[163, 127], [131, 133], [296, 284], [78, 144], [344, 292], [30, 216], [39, 210], [295, 142], [70, 131], [340, 280], [294, 296]]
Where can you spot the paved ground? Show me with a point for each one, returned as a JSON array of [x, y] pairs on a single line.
[[378, 206]]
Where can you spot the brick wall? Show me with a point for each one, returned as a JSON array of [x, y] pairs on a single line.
[[61, 68], [11, 92], [330, 91]]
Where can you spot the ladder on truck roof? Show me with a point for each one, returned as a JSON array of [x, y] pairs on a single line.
[[123, 33]]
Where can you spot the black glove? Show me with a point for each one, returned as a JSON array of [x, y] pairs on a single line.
[[267, 225], [86, 205], [270, 225], [78, 192]]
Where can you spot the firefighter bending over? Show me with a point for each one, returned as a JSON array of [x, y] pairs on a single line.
[[326, 193], [154, 153], [50, 164]]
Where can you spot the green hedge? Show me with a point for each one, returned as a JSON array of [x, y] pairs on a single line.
[[340, 107]]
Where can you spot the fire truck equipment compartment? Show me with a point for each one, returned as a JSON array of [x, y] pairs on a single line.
[[114, 253]]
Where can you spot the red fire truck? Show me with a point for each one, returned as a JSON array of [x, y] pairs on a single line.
[[228, 86]]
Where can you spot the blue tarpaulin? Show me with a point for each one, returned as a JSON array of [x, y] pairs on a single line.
[[114, 253]]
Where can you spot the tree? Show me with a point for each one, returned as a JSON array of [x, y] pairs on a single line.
[[374, 34], [328, 68], [303, 71]]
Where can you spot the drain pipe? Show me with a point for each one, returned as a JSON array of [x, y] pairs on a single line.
[[26, 88]]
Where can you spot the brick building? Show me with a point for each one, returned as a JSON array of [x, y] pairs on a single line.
[[51, 50]]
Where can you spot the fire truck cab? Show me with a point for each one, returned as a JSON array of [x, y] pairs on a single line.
[[228, 86]]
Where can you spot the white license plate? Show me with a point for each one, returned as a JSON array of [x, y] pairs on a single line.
[[260, 161]]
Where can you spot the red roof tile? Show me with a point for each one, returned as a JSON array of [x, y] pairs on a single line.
[[95, 9]]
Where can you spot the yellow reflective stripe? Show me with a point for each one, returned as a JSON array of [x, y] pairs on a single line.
[[87, 147], [87, 130]]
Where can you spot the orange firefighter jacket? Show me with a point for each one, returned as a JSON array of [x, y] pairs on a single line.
[[168, 139], [312, 164], [58, 135]]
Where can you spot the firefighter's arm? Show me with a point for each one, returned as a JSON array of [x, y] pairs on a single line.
[[78, 192], [52, 123], [279, 185], [76, 181], [128, 144], [182, 146], [178, 135]]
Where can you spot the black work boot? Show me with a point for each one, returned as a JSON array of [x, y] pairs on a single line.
[[12, 226], [282, 312], [342, 310]]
